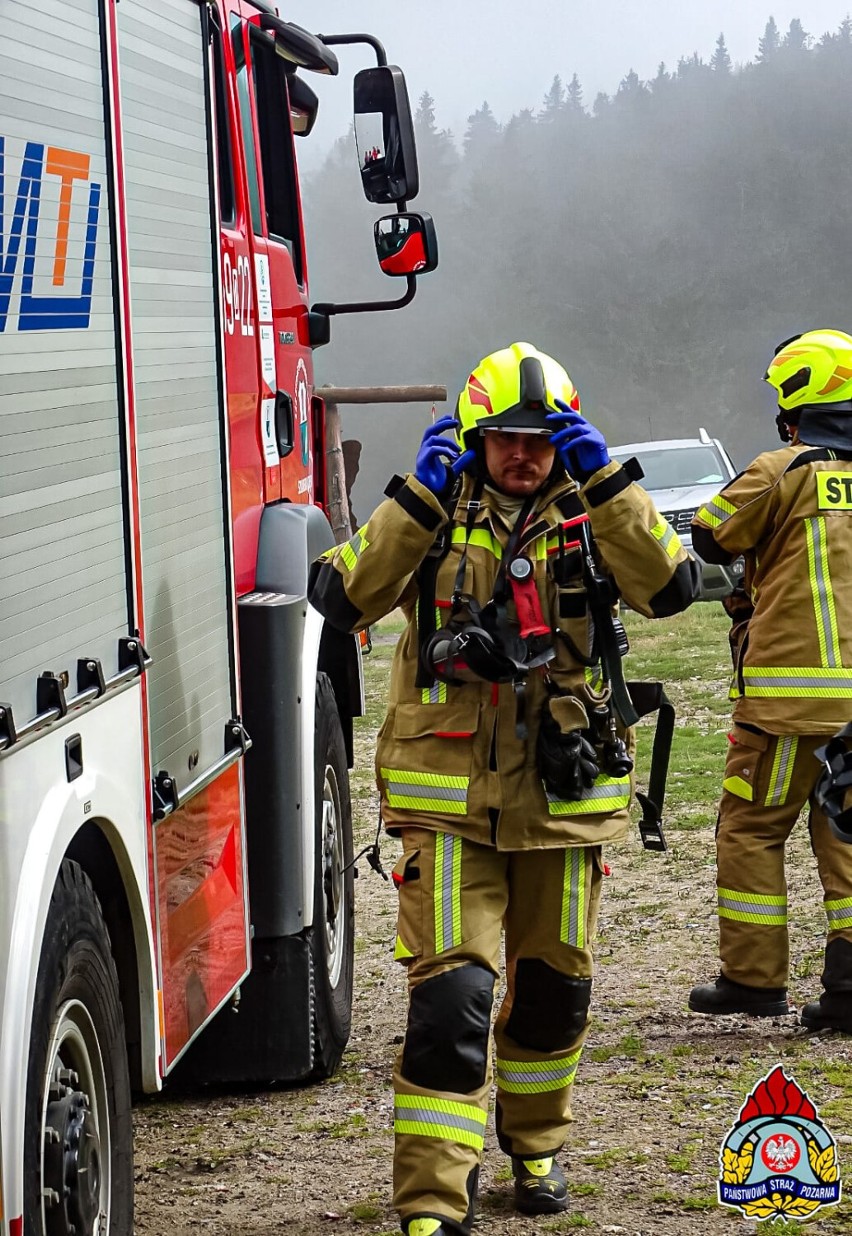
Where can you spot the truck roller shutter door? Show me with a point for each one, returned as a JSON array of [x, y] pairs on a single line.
[[173, 276], [63, 568]]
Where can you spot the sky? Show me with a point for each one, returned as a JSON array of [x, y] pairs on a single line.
[[465, 52]]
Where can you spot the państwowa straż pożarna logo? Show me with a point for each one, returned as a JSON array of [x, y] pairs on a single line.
[[779, 1160]]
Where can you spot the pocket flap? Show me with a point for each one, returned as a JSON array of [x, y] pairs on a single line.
[[756, 739], [455, 719]]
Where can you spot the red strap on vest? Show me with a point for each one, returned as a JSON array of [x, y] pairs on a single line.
[[528, 606]]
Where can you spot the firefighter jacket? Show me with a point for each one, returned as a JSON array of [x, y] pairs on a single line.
[[449, 756], [790, 515]]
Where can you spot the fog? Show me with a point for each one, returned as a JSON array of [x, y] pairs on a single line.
[[657, 209]]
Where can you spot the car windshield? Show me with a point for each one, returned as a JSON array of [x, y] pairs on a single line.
[[676, 467]]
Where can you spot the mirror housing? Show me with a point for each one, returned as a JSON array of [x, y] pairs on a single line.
[[406, 244], [299, 47], [304, 105], [384, 135]]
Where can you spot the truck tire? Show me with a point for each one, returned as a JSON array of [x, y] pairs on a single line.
[[332, 936], [78, 1149]]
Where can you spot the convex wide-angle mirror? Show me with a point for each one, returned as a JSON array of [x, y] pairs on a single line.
[[384, 135], [406, 244]]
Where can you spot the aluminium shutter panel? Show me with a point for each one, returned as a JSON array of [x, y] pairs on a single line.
[[63, 587], [173, 277]]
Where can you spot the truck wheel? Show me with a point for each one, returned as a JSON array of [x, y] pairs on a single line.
[[78, 1150], [333, 932]]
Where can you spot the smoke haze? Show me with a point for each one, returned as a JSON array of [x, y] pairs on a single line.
[[658, 236]]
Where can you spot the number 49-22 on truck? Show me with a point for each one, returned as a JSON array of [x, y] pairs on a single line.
[[175, 718]]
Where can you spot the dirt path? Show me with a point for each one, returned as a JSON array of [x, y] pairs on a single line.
[[657, 1089]]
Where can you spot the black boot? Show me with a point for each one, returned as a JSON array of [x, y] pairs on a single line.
[[429, 1225], [833, 1011], [540, 1185], [726, 996]]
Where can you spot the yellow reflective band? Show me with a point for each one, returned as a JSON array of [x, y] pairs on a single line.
[[352, 550], [716, 511], [834, 491], [573, 922], [839, 913], [738, 787], [800, 682], [437, 693], [400, 953], [447, 891], [668, 538], [484, 538], [594, 676], [822, 592], [423, 1116], [607, 794], [536, 1076], [422, 791], [761, 909], [782, 771]]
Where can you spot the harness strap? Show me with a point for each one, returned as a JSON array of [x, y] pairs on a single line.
[[651, 697], [426, 620]]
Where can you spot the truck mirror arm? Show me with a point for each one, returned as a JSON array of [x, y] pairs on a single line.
[[331, 40], [320, 313]]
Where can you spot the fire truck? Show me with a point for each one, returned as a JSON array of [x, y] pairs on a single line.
[[175, 719]]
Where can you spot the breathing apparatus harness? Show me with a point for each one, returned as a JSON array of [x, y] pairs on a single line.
[[624, 702], [478, 638]]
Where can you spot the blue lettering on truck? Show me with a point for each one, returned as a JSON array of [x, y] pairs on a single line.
[[19, 235]]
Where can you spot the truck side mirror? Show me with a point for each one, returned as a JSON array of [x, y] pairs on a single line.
[[406, 244], [384, 135]]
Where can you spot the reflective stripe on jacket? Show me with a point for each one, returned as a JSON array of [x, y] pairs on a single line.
[[790, 514], [449, 756]]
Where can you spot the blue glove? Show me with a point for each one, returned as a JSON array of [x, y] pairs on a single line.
[[430, 468], [581, 447]]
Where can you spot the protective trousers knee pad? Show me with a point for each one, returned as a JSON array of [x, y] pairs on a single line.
[[449, 1019], [549, 1009]]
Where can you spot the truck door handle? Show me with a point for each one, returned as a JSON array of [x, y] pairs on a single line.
[[285, 433]]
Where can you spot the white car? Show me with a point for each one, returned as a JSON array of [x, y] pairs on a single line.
[[681, 474]]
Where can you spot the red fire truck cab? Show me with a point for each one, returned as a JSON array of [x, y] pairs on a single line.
[[175, 718]]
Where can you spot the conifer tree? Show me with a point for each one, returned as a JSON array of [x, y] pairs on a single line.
[[796, 39], [721, 61], [574, 97], [663, 77], [482, 132], [554, 100], [769, 44], [424, 117]]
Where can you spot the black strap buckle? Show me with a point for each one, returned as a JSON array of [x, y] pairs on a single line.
[[651, 824]]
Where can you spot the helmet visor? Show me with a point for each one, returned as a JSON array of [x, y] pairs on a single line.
[[520, 419]]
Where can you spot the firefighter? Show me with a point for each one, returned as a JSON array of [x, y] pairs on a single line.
[[790, 515], [487, 572]]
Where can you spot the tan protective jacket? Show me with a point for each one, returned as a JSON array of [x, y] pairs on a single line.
[[448, 754], [790, 514]]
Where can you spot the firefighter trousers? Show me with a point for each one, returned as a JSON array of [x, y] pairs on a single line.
[[768, 780], [456, 898]]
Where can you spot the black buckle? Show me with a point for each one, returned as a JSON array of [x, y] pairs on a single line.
[[651, 825]]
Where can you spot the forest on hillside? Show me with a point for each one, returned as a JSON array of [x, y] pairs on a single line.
[[659, 241]]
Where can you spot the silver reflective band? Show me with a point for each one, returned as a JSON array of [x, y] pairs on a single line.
[[424, 1115], [446, 793]]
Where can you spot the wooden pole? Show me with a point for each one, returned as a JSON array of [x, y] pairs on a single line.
[[333, 396], [338, 504], [382, 394]]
